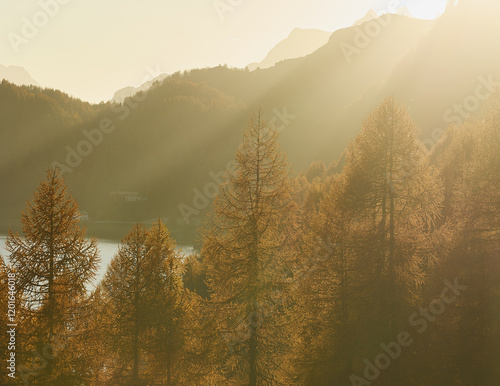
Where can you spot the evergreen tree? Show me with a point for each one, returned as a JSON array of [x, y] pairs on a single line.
[[195, 274], [395, 199], [471, 170], [249, 250], [54, 264], [91, 354], [147, 307], [168, 307], [327, 292], [125, 289]]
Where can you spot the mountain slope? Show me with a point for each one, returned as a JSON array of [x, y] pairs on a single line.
[[372, 15], [162, 143], [320, 88], [17, 75], [32, 122], [299, 43], [453, 71], [171, 143], [167, 146], [126, 92]]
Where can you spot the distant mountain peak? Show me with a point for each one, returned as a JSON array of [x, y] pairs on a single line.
[[370, 15], [17, 75], [126, 92]]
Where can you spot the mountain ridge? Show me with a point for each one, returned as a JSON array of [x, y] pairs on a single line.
[[177, 137], [300, 42], [17, 75]]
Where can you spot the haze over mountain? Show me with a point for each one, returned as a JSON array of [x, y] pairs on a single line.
[[92, 61], [463, 73], [328, 218], [17, 75], [372, 15], [169, 143], [129, 91], [300, 42]]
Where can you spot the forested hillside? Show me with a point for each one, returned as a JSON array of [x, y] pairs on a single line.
[[155, 145], [350, 276]]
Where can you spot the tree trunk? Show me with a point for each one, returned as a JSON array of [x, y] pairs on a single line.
[[253, 360]]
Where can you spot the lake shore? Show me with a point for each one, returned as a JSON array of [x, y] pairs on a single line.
[[115, 230]]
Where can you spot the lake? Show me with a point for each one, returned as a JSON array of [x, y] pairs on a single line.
[[108, 249]]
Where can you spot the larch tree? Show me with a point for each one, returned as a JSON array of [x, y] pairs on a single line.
[[125, 290], [249, 248], [471, 170], [90, 355], [55, 263], [395, 198], [147, 306], [168, 306], [327, 291]]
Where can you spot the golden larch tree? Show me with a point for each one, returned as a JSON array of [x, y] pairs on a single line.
[[55, 264], [249, 248]]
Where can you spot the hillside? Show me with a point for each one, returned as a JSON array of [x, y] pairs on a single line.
[[126, 92], [463, 73], [17, 75], [299, 43], [329, 85], [161, 149]]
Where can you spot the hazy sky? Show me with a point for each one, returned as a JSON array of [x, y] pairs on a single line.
[[91, 48]]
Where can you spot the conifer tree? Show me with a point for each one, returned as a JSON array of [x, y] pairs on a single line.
[[91, 354], [168, 307], [471, 170], [147, 306], [54, 263], [125, 288], [328, 292], [395, 198], [249, 250]]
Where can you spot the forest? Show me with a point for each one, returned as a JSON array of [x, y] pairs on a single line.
[[381, 269], [169, 138]]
